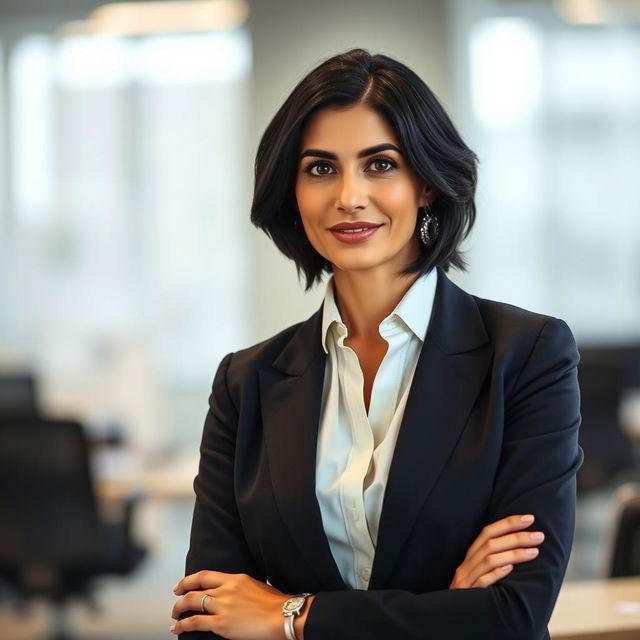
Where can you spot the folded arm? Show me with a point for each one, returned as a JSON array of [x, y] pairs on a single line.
[[536, 475]]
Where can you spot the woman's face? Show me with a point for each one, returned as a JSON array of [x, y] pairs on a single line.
[[357, 196]]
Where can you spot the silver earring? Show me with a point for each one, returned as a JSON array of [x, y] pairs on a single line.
[[428, 227]]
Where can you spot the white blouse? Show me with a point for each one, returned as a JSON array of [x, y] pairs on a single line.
[[355, 448]]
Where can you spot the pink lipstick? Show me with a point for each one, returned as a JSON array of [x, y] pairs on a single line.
[[354, 232]]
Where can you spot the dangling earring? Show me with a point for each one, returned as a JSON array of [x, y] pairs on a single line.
[[428, 227]]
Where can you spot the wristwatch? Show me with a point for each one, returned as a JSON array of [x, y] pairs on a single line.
[[290, 609]]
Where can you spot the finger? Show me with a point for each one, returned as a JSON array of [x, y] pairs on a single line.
[[487, 579], [193, 601], [520, 540], [500, 528], [496, 560], [200, 580], [195, 623], [497, 552]]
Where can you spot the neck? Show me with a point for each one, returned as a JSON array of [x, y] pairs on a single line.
[[366, 298]]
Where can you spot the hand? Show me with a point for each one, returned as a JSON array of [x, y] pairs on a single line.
[[496, 550], [240, 607]]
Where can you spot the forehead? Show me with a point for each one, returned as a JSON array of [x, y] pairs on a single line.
[[347, 129]]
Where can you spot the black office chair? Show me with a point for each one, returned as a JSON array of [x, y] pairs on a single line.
[[53, 540], [18, 395], [622, 547]]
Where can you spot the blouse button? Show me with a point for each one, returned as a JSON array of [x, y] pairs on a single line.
[[366, 573]]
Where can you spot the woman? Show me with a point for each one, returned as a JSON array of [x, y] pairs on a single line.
[[387, 457]]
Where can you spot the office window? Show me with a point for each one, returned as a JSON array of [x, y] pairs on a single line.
[[555, 120], [128, 205]]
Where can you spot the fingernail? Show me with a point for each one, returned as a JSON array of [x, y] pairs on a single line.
[[536, 536], [507, 568], [527, 518], [172, 628], [531, 552], [175, 588]]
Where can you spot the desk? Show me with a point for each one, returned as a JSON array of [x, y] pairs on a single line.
[[598, 610], [120, 473]]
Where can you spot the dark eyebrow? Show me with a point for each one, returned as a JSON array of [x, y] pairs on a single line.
[[369, 151]]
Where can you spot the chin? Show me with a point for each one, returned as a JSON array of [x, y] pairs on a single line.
[[363, 261], [357, 265]]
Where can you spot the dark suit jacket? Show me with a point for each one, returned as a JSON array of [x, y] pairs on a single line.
[[489, 430]]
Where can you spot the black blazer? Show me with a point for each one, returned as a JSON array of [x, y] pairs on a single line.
[[489, 430]]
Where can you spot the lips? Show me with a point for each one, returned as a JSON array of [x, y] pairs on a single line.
[[354, 226], [354, 232]]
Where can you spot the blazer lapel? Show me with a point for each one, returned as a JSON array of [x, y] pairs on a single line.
[[450, 371], [291, 395]]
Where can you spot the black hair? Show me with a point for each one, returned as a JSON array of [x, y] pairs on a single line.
[[429, 141]]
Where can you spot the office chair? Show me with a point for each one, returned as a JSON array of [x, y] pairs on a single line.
[[622, 547], [53, 540], [18, 395]]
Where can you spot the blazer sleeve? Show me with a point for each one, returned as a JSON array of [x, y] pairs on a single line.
[[536, 475], [217, 540]]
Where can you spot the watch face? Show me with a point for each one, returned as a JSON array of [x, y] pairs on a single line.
[[293, 604]]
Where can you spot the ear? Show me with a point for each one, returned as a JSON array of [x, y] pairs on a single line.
[[426, 196]]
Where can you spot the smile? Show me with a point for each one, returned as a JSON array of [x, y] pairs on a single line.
[[354, 232]]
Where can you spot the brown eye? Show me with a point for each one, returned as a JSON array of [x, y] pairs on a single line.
[[382, 165], [318, 169]]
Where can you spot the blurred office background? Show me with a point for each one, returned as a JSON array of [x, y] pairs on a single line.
[[128, 266]]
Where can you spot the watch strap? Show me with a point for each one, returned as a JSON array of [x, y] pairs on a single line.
[[290, 616], [289, 631]]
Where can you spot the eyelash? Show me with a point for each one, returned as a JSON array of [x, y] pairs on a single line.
[[393, 165]]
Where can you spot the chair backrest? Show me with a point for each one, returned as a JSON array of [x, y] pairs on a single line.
[[622, 546], [48, 512], [17, 395]]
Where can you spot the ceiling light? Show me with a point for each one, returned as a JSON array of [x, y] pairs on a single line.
[[144, 18], [583, 11]]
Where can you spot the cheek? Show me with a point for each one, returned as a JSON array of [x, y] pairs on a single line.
[[299, 194], [399, 197], [306, 199], [312, 209], [308, 208]]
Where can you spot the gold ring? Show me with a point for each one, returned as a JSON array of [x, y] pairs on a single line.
[[204, 597]]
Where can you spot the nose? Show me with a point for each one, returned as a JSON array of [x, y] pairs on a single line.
[[352, 194]]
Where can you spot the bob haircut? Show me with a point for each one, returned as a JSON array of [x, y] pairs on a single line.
[[430, 143]]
